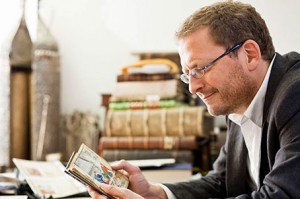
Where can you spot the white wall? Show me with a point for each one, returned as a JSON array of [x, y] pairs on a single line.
[[97, 37]]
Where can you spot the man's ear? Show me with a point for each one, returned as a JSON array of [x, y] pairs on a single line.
[[253, 54]]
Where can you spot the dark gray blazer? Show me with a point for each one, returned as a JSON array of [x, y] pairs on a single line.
[[280, 147]]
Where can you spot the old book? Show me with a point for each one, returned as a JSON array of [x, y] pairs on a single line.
[[145, 77], [48, 179], [139, 90], [89, 168], [146, 142], [153, 65], [179, 121], [125, 105], [137, 154]]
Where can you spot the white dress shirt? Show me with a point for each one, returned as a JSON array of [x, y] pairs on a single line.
[[251, 126]]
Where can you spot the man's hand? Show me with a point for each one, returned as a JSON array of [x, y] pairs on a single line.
[[138, 188], [115, 191]]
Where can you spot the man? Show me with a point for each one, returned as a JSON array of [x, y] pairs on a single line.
[[229, 61]]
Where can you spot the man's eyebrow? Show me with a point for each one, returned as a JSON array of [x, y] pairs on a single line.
[[191, 65]]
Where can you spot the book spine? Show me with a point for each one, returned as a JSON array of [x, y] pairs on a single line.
[[125, 105], [179, 121], [118, 154], [157, 142], [145, 77]]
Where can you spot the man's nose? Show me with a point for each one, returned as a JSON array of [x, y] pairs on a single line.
[[195, 84]]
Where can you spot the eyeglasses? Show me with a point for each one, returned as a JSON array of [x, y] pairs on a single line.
[[198, 72]]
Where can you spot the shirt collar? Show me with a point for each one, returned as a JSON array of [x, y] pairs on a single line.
[[254, 111]]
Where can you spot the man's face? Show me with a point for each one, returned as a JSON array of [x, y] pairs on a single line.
[[225, 87]]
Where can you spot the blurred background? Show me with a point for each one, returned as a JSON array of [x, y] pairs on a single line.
[[79, 48], [97, 37]]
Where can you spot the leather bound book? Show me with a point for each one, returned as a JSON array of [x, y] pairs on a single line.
[[157, 142], [156, 122], [145, 77], [138, 121], [179, 121]]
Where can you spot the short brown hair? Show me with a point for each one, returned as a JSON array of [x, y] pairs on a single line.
[[230, 23]]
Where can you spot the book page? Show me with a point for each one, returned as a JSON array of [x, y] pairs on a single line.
[[91, 166], [48, 178]]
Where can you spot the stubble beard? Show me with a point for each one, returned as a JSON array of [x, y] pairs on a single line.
[[235, 94]]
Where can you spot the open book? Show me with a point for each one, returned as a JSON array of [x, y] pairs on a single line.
[[48, 179], [90, 169]]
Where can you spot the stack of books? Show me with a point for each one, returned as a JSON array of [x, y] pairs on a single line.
[[145, 119], [150, 83]]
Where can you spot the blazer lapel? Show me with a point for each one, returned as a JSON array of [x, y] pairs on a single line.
[[237, 170], [278, 69], [277, 72]]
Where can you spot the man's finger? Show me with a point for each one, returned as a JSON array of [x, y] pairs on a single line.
[[111, 190], [118, 192], [129, 168], [95, 195]]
